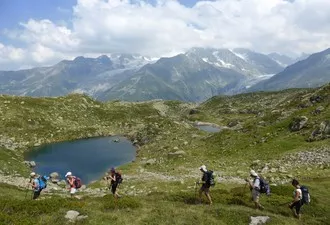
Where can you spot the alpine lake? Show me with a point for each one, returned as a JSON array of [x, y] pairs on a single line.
[[88, 158]]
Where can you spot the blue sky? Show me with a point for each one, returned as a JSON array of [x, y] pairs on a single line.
[[13, 12]]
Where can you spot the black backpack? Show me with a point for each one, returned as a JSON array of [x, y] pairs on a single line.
[[119, 178], [264, 186], [210, 178], [306, 199]]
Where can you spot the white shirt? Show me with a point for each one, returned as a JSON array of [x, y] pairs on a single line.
[[299, 191]]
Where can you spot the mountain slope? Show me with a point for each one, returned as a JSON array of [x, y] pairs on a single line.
[[82, 74], [181, 77], [262, 62], [311, 72]]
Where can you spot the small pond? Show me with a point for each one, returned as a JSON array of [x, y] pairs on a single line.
[[208, 128], [87, 158]]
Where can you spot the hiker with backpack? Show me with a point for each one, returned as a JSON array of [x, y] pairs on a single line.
[[38, 184], [255, 187], [74, 182], [115, 179], [207, 181], [300, 197]]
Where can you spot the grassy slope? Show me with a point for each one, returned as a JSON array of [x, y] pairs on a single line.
[[264, 135]]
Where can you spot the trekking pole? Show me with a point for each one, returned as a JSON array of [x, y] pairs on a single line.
[[27, 189], [196, 183]]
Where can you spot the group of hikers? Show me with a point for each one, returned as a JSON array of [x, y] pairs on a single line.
[[38, 183], [256, 184]]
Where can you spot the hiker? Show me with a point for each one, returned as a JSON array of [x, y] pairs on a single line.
[[297, 202], [71, 181], [35, 185], [255, 189], [116, 179], [206, 184]]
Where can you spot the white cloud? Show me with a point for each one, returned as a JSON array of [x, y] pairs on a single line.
[[104, 26]]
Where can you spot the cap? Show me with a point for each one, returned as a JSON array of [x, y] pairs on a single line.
[[68, 174], [203, 167]]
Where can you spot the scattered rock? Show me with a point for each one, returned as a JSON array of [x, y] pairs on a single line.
[[257, 220], [315, 99]]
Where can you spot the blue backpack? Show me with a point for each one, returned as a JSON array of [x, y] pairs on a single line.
[[42, 182]]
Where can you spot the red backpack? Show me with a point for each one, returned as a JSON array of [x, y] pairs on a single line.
[[77, 182]]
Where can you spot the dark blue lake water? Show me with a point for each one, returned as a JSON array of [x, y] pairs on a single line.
[[208, 128], [88, 158]]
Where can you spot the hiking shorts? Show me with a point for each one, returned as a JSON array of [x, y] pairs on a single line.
[[114, 188], [255, 195], [297, 205], [205, 188], [73, 190]]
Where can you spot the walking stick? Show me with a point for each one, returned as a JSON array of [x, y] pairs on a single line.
[[27, 189], [196, 183]]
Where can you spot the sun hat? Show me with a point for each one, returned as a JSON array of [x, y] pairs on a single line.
[[32, 174], [203, 167], [68, 174], [253, 173]]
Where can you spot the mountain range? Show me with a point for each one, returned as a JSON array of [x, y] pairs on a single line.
[[195, 75], [311, 72]]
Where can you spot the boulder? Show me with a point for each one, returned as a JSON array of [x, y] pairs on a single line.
[[71, 215], [30, 163], [298, 123], [322, 132], [150, 162], [233, 123], [258, 220], [54, 177]]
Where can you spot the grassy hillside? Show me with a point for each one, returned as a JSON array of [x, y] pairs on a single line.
[[259, 131]]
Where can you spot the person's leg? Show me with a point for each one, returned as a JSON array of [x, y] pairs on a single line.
[[207, 193], [294, 209], [255, 197], [201, 190], [36, 194], [298, 207], [114, 190]]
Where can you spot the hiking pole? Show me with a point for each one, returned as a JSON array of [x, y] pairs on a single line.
[[196, 183], [27, 189]]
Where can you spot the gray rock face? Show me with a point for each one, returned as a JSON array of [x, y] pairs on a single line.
[[259, 220]]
